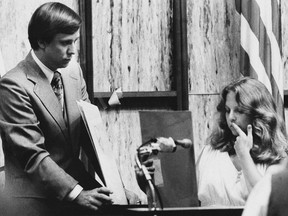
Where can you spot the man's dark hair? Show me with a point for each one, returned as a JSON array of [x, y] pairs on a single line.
[[50, 19]]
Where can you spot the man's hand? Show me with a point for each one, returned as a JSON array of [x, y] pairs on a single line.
[[132, 197], [148, 164], [140, 175], [93, 199]]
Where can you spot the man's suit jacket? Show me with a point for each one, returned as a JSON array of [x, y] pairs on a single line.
[[279, 194], [41, 152]]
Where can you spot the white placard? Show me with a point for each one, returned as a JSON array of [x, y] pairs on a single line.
[[99, 139]]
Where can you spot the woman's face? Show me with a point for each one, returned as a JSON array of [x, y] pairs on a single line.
[[235, 114]]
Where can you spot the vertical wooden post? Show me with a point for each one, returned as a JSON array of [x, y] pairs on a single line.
[[86, 45], [184, 60], [180, 53]]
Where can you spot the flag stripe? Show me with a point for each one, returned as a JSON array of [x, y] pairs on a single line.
[[261, 44], [275, 17], [276, 21], [250, 44], [253, 17], [251, 12], [276, 61], [246, 69]]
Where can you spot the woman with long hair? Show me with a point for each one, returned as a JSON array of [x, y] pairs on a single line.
[[249, 136]]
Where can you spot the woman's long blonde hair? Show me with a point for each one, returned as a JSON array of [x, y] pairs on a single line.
[[269, 133]]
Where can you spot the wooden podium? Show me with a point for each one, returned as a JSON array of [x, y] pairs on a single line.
[[120, 210], [175, 175]]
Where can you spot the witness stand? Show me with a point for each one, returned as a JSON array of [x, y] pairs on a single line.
[[174, 177], [141, 210]]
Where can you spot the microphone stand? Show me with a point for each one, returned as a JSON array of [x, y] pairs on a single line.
[[149, 181]]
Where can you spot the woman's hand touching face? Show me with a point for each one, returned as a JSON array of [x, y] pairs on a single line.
[[243, 142]]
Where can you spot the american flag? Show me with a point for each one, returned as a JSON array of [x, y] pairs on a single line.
[[261, 45], [2, 72]]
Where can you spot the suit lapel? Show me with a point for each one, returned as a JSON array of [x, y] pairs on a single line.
[[45, 93], [70, 83]]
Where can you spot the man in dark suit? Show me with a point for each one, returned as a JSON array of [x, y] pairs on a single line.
[[42, 133], [270, 195]]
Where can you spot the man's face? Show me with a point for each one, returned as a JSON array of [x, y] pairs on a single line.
[[58, 53]]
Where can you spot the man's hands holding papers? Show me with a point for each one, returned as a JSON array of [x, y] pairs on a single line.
[[94, 199]]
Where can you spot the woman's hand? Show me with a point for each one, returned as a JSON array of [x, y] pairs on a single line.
[[243, 143]]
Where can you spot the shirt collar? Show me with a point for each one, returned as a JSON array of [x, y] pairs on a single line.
[[48, 73]]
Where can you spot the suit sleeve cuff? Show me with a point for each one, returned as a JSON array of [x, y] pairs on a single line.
[[74, 193]]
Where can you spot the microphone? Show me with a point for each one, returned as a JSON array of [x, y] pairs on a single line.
[[162, 144], [184, 143]]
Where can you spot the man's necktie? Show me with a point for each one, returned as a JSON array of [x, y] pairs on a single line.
[[57, 87]]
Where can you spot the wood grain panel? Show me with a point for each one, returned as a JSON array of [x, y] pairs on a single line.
[[284, 19], [213, 44], [132, 45], [203, 108], [124, 133], [286, 117], [15, 16]]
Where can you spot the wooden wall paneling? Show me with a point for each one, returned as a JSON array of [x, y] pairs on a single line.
[[123, 128], [132, 50], [203, 108], [139, 100], [284, 31], [127, 32], [132, 45], [286, 118], [180, 54], [15, 16], [213, 44], [86, 46], [14, 42]]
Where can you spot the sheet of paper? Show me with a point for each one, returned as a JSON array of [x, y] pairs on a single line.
[[99, 139]]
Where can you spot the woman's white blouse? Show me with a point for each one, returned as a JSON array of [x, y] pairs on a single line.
[[219, 182]]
